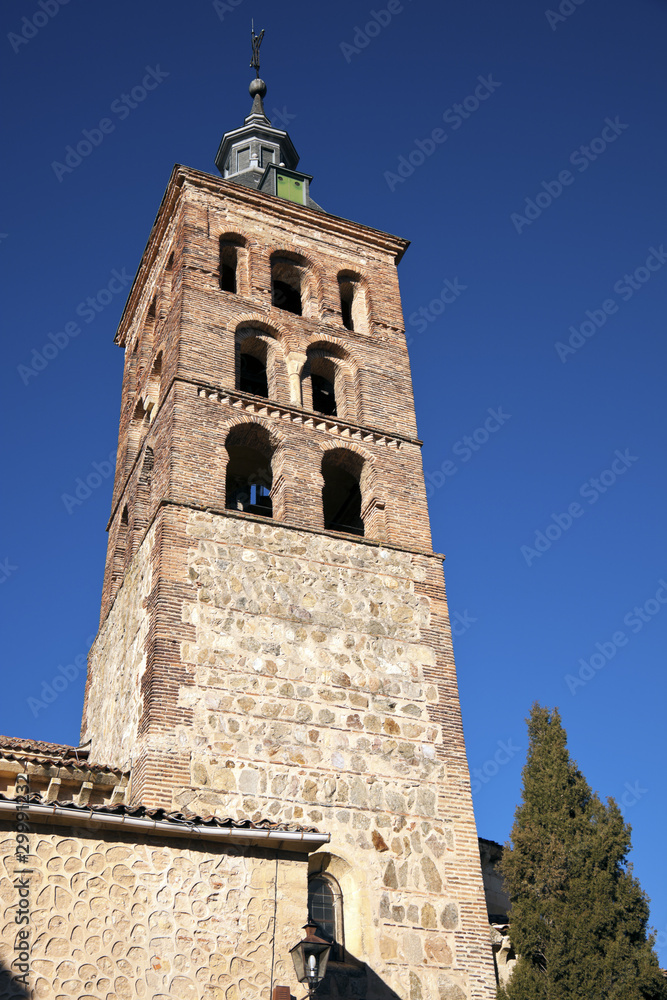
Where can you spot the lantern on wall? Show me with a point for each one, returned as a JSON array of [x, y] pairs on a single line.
[[310, 958]]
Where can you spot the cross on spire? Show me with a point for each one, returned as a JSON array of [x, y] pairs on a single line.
[[256, 42]]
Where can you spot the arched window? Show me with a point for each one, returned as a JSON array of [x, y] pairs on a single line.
[[152, 394], [353, 306], [230, 251], [252, 374], [341, 493], [149, 328], [324, 394], [325, 910], [142, 500], [166, 287], [324, 376], [118, 566], [328, 381], [287, 284], [136, 431], [255, 354], [346, 298], [249, 472]]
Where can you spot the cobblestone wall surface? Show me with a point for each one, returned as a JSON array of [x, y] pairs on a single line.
[[111, 919]]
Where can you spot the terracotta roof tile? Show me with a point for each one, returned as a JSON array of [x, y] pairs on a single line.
[[177, 818], [39, 746]]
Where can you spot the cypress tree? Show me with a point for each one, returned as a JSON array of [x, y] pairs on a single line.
[[579, 917]]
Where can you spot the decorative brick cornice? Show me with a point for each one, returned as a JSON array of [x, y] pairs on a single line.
[[261, 407]]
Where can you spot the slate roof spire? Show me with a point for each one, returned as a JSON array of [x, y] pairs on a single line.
[[245, 153]]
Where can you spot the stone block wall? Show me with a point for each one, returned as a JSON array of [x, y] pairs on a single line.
[[313, 684], [113, 918]]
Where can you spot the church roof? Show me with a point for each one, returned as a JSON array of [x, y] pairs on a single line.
[[61, 750], [59, 754], [140, 820], [160, 815]]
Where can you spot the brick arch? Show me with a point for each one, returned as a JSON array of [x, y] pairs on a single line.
[[327, 342], [276, 436], [233, 236], [151, 391], [235, 243], [273, 339], [259, 322], [346, 375], [313, 300], [279, 453], [362, 310], [370, 484]]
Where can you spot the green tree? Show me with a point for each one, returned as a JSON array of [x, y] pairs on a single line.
[[579, 917]]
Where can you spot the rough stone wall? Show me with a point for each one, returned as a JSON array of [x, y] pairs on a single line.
[[113, 918], [116, 665], [316, 695]]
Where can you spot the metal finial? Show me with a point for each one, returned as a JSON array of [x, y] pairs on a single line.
[[256, 42]]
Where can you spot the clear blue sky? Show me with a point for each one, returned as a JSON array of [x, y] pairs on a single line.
[[534, 200]]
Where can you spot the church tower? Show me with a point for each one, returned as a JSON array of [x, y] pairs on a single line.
[[274, 639]]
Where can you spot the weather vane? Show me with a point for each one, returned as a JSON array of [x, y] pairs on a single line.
[[256, 42]]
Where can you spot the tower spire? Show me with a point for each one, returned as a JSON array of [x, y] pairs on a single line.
[[258, 155], [257, 86]]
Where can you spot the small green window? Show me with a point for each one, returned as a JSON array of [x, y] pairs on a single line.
[[289, 188]]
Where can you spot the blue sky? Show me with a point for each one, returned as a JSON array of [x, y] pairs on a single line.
[[523, 153]]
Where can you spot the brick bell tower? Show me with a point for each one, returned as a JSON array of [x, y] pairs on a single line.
[[274, 638]]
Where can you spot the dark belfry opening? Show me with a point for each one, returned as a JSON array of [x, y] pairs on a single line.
[[286, 297], [341, 494], [324, 395], [228, 266], [346, 299], [286, 286], [249, 473], [252, 376]]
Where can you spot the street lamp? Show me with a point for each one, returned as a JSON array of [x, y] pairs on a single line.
[[310, 958]]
